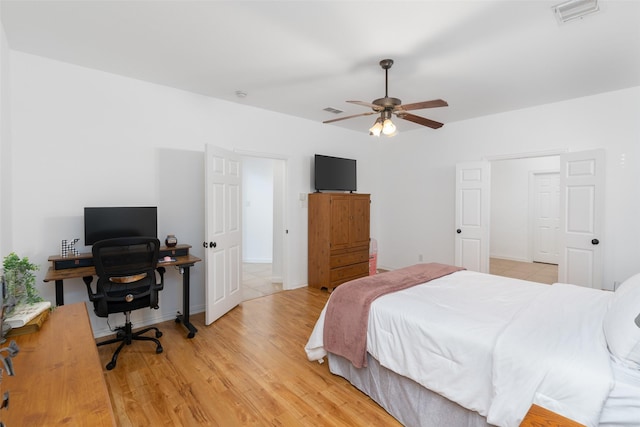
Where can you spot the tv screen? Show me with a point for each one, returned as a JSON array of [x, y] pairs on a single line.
[[110, 222], [334, 173]]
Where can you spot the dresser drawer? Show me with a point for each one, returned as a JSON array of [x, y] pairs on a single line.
[[350, 272], [344, 258]]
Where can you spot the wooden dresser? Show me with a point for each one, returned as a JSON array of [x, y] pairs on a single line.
[[338, 238], [58, 376]]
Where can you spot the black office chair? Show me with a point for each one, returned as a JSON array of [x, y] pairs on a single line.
[[126, 281]]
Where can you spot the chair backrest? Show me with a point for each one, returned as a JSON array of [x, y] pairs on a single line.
[[125, 256], [126, 274]]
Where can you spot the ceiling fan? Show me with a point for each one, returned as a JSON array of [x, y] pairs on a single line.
[[387, 106]]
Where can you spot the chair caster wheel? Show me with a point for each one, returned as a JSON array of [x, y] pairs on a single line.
[[158, 334], [159, 349], [110, 366]]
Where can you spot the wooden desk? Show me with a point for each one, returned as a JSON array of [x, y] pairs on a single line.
[[58, 376], [81, 266]]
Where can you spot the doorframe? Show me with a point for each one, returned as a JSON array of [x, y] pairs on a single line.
[[530, 154], [282, 219]]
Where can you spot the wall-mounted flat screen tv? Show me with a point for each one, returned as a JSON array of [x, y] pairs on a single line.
[[334, 173], [111, 222]]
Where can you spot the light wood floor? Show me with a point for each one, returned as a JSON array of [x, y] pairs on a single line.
[[247, 369]]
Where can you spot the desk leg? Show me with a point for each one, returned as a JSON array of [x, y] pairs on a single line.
[[59, 292], [184, 317]]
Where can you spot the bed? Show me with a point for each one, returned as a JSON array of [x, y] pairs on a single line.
[[473, 349]]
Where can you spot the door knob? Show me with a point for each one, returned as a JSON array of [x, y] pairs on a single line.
[[204, 244], [458, 231], [212, 244], [595, 241]]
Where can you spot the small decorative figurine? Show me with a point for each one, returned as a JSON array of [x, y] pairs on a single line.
[[68, 248], [171, 241]]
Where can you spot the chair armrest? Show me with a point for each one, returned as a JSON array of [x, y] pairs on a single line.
[[93, 296], [161, 271]]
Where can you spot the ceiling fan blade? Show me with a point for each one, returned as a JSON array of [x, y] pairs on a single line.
[[367, 104], [425, 104], [368, 113], [421, 120]]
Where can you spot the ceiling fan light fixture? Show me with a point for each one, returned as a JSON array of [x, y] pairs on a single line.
[[388, 128], [575, 9], [376, 129]]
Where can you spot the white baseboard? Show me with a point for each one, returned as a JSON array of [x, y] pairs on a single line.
[[258, 260]]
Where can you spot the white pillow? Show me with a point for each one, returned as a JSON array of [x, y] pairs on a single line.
[[620, 328]]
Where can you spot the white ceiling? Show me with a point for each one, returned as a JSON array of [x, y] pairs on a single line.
[[298, 57]]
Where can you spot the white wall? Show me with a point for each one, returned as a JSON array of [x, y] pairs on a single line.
[[510, 208], [257, 210], [418, 184], [83, 137], [5, 146]]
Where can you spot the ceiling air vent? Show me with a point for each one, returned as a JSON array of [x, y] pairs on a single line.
[[574, 9], [333, 110]]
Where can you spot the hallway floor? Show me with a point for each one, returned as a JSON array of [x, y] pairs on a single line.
[[257, 276], [256, 281], [532, 271]]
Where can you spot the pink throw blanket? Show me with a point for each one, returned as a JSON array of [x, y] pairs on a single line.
[[347, 314]]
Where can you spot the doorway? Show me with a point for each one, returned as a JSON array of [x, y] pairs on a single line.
[[262, 225], [581, 206], [524, 217]]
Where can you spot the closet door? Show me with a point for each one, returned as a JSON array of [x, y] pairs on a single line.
[[473, 182], [546, 216]]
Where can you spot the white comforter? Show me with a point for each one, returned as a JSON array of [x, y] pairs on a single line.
[[492, 344]]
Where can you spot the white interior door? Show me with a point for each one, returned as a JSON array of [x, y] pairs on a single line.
[[581, 207], [473, 182], [223, 232], [546, 217]]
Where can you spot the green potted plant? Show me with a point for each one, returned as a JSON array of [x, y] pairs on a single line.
[[20, 280]]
